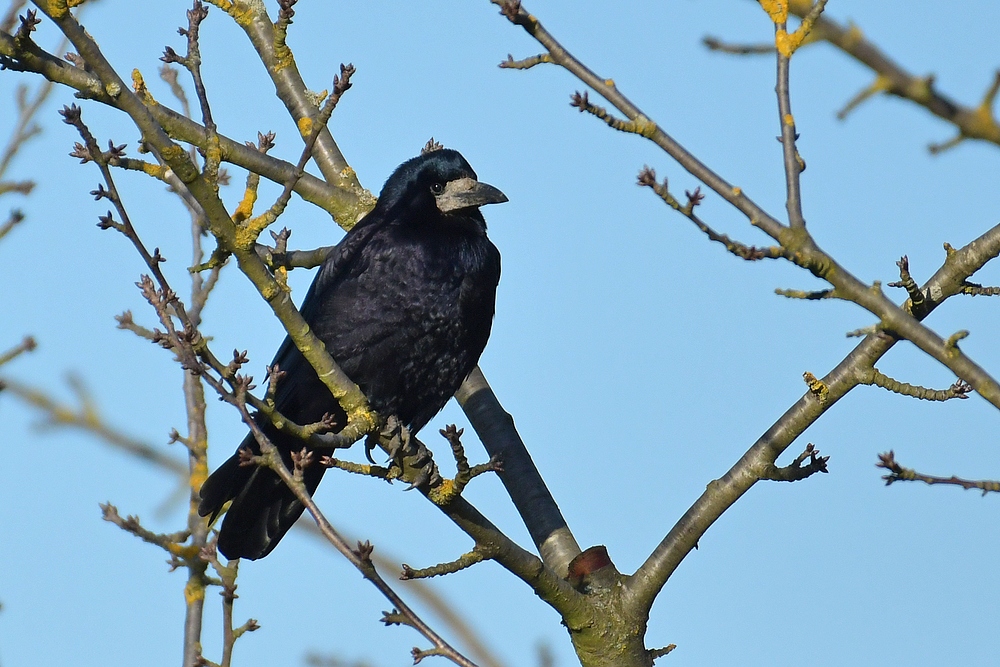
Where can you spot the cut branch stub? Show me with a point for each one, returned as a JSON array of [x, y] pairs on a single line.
[[593, 569]]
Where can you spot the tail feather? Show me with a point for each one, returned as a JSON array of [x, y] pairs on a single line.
[[263, 507]]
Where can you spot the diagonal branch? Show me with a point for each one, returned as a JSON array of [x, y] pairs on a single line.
[[343, 204], [972, 122], [360, 418], [853, 370], [896, 323], [796, 241], [290, 88], [360, 557], [898, 473]]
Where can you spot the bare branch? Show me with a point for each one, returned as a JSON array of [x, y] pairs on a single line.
[[795, 471], [26, 345], [875, 377], [898, 473], [798, 245]]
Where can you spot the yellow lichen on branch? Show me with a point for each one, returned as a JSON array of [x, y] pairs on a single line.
[[776, 9], [644, 126], [183, 550], [155, 170], [199, 473], [193, 593], [444, 493], [982, 122], [57, 9], [175, 156], [816, 386], [787, 43], [242, 12], [245, 208], [305, 125], [139, 86]]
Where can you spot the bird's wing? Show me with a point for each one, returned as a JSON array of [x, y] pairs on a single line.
[[341, 260]]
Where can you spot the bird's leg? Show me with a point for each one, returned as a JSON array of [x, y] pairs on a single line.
[[427, 472], [413, 459], [409, 458], [392, 437]]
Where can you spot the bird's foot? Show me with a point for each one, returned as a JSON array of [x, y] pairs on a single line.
[[394, 438], [427, 473]]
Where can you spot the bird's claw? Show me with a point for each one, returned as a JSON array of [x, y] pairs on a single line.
[[371, 442], [422, 455], [395, 438], [427, 475]]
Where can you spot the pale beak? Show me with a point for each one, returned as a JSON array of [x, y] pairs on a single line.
[[468, 193]]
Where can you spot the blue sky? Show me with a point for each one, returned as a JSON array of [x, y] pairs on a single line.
[[638, 360]]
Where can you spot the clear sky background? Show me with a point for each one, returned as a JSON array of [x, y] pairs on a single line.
[[639, 360]]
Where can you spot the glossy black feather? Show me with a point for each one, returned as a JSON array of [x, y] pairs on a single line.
[[404, 304]]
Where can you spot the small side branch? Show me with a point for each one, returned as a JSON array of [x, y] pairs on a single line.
[[13, 219], [864, 331], [796, 470], [172, 543], [975, 289], [368, 470], [808, 296], [875, 377], [276, 258], [880, 85], [716, 44], [907, 282], [639, 125], [786, 43], [898, 473], [525, 63], [227, 576], [450, 489], [647, 178], [26, 345], [461, 563], [655, 653], [127, 323]]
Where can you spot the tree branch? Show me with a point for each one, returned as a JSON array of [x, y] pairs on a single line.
[[802, 250], [898, 473], [796, 241], [290, 88], [340, 203]]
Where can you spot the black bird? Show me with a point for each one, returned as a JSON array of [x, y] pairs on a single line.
[[404, 304]]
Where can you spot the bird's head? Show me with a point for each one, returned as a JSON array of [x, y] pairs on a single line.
[[439, 183]]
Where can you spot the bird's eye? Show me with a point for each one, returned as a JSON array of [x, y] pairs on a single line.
[[437, 188]]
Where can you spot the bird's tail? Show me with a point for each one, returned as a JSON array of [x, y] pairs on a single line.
[[263, 507]]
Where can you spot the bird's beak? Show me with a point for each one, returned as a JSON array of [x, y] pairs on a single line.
[[468, 193]]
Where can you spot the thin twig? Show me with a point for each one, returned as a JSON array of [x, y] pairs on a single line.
[[26, 345], [360, 557], [15, 218], [898, 473]]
